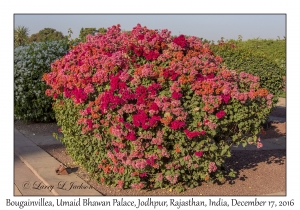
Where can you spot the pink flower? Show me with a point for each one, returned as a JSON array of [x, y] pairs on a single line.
[[269, 96], [159, 177], [220, 114], [186, 157], [199, 153], [212, 167], [171, 179], [89, 89], [259, 145], [120, 184]]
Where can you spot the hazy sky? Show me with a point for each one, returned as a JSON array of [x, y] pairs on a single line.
[[211, 27]]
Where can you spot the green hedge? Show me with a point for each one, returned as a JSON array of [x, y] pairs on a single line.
[[250, 61]]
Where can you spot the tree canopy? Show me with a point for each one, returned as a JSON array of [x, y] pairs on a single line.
[[47, 34]]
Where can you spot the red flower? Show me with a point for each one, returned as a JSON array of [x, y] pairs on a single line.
[[220, 114], [193, 134], [199, 153], [150, 161], [152, 55], [176, 124]]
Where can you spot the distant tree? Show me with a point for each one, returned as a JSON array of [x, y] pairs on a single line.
[[86, 31], [240, 38], [21, 34], [93, 31], [47, 34], [102, 30]]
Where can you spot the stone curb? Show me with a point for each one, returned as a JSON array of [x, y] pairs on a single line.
[[283, 193], [43, 167]]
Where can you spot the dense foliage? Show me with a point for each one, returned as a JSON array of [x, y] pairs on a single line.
[[143, 109], [245, 60], [30, 63], [274, 50]]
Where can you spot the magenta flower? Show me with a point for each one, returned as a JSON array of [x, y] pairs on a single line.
[[116, 149], [150, 161], [90, 123], [176, 124], [181, 41], [131, 136], [176, 95], [225, 98], [154, 107], [191, 134], [220, 114], [199, 153], [143, 174]]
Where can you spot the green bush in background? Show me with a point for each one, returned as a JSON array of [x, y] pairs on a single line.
[[254, 62], [30, 63]]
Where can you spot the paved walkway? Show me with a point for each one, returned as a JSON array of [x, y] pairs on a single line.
[[34, 172]]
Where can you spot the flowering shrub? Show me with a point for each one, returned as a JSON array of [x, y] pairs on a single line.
[[30, 63], [253, 62], [145, 110]]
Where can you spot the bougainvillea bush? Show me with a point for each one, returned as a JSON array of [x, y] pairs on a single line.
[[141, 109], [30, 63]]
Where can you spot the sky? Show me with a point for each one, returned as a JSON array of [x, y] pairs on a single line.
[[210, 27]]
